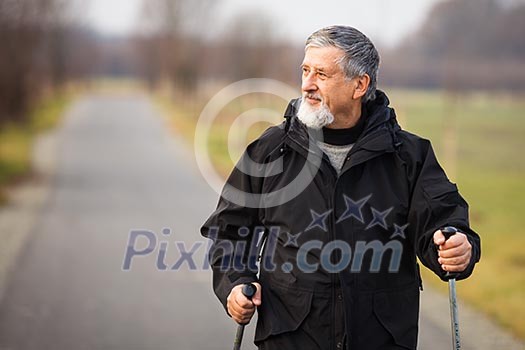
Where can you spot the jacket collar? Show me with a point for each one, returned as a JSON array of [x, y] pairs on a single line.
[[378, 135]]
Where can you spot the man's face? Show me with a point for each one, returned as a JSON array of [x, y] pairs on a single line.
[[323, 81]]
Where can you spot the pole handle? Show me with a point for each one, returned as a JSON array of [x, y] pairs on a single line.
[[449, 231], [249, 290]]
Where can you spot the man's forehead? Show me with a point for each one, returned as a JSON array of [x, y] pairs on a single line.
[[322, 57]]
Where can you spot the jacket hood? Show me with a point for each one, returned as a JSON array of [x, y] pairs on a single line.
[[378, 112]]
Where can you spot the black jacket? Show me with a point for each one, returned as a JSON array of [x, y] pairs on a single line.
[[381, 211]]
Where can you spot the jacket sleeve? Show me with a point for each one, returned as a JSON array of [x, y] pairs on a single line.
[[436, 203], [235, 226]]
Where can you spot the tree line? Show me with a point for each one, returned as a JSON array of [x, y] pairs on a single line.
[[463, 44], [42, 49]]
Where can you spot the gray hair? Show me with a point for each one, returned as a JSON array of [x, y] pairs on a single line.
[[360, 55]]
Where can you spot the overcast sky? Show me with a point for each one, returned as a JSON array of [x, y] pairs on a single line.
[[384, 21]]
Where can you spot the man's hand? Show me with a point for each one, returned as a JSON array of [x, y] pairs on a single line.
[[241, 308], [455, 253]]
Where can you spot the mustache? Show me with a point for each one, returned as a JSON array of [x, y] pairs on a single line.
[[313, 95]]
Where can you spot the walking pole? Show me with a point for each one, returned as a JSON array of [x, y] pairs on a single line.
[[249, 291], [451, 276]]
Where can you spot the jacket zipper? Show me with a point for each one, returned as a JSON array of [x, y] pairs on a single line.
[[333, 237]]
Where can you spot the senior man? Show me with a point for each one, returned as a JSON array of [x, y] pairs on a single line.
[[339, 265]]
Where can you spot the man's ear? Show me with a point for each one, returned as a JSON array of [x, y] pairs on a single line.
[[362, 84]]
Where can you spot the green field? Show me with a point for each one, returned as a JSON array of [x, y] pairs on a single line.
[[478, 138], [488, 165]]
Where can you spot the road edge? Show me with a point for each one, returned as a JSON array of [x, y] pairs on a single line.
[[25, 202]]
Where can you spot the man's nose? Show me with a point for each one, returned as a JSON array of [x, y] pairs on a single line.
[[308, 83]]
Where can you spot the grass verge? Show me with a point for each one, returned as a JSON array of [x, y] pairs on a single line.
[[16, 139]]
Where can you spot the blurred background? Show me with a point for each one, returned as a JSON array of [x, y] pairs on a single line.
[[99, 102]]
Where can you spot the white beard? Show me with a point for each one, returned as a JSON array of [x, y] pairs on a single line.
[[312, 117]]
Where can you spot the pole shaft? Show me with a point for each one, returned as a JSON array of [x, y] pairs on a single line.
[[454, 320], [238, 337]]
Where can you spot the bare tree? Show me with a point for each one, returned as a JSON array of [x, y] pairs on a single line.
[[20, 34], [38, 38], [172, 44]]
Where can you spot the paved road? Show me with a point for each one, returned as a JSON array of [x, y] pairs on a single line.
[[119, 170]]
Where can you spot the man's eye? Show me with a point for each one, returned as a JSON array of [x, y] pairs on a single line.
[[305, 70], [321, 74]]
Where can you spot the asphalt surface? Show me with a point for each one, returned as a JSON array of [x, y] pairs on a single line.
[[119, 170]]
